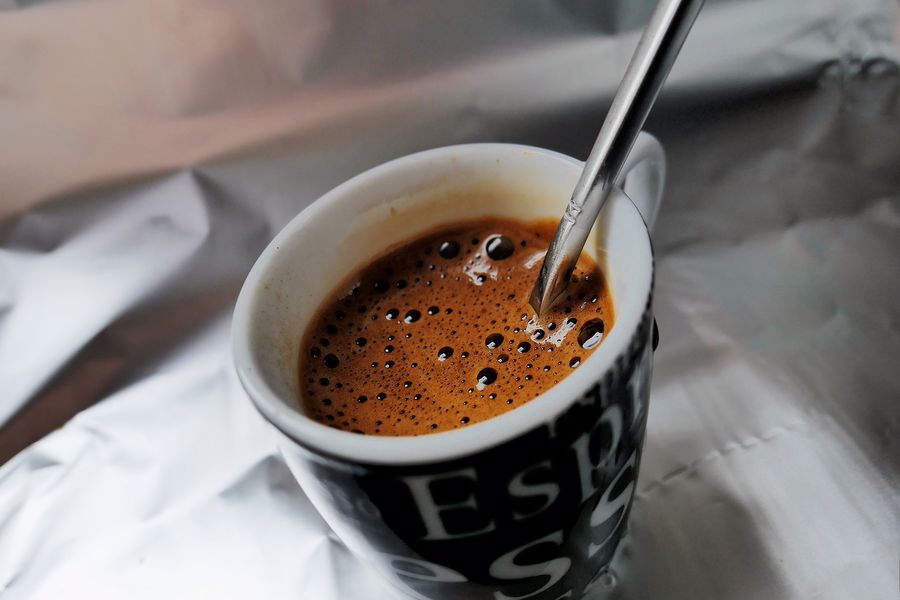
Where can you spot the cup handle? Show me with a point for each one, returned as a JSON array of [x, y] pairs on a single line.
[[643, 176]]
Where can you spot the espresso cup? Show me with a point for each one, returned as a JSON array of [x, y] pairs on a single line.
[[530, 504]]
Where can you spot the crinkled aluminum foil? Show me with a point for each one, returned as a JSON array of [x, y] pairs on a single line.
[[149, 150]]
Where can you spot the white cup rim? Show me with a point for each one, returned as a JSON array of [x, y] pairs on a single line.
[[444, 446]]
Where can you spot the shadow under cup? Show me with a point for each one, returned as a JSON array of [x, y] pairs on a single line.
[[529, 504]]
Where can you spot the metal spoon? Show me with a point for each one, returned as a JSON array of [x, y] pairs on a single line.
[[652, 60]]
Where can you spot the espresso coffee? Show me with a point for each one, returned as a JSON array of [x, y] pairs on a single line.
[[438, 333]]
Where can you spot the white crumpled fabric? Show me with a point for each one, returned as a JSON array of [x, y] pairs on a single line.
[[149, 150]]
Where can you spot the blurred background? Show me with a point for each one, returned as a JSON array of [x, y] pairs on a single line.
[[150, 150]]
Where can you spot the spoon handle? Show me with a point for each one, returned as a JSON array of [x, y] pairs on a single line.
[[656, 52]]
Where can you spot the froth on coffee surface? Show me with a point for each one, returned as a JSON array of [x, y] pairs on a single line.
[[437, 334]]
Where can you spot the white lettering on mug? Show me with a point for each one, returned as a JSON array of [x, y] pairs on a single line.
[[607, 507], [422, 570], [430, 510], [612, 416], [506, 567], [518, 488]]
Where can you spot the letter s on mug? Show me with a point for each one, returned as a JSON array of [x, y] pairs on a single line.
[[506, 567], [519, 488], [612, 418], [608, 507], [421, 570]]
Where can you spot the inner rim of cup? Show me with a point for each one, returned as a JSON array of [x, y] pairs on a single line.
[[399, 196]]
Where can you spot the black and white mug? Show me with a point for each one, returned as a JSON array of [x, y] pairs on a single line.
[[527, 505]]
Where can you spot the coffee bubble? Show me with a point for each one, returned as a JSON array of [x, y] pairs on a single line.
[[487, 376], [591, 334], [449, 249], [500, 247], [493, 341]]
